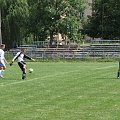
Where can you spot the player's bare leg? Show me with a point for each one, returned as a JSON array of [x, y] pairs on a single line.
[[118, 73], [24, 72], [2, 69]]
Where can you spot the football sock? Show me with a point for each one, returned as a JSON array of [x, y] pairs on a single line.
[[23, 75], [0, 72], [118, 74]]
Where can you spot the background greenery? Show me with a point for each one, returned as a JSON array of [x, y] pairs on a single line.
[[104, 22], [26, 20]]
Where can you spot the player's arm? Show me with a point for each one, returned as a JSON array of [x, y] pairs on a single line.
[[27, 57], [14, 58], [5, 61], [0, 58]]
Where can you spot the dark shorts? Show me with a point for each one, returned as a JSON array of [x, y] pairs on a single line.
[[1, 65], [21, 65]]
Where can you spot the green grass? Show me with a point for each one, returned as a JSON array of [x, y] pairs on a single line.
[[61, 91]]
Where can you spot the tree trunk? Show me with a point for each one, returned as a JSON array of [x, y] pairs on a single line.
[[51, 38], [0, 28]]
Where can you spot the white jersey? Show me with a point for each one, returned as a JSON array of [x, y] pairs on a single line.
[[20, 57], [2, 58]]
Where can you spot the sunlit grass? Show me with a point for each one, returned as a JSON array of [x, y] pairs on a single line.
[[61, 91]]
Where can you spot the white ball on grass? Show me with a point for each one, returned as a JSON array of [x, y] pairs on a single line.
[[30, 70]]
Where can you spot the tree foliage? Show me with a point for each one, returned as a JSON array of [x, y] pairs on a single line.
[[40, 18], [14, 14], [105, 20], [50, 17]]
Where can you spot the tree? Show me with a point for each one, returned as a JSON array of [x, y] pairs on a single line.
[[104, 22], [50, 17], [14, 14], [1, 3], [0, 29], [43, 18]]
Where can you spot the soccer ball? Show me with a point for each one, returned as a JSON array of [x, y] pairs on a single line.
[[30, 70]]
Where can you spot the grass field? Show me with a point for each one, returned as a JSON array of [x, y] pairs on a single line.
[[61, 91]]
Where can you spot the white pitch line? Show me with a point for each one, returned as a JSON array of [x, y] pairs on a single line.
[[61, 73], [105, 67], [23, 81]]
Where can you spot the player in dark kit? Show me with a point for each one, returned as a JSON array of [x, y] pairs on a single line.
[[20, 60], [118, 73]]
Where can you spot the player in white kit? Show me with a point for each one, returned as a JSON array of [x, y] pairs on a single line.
[[20, 60], [2, 60]]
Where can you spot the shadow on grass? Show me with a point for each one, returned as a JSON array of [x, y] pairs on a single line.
[[12, 79]]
